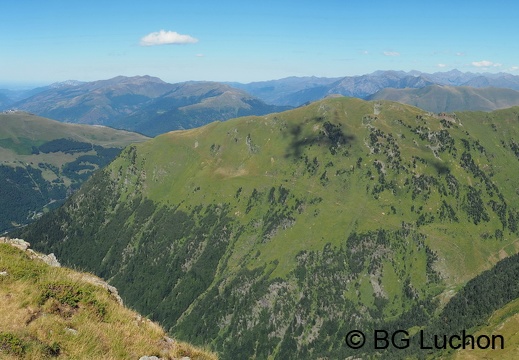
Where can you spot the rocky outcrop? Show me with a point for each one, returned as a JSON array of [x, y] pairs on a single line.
[[18, 243], [157, 358], [94, 280], [168, 343], [24, 246], [47, 259]]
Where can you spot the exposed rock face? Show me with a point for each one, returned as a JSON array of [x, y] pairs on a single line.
[[48, 259], [157, 358], [19, 243], [168, 344], [98, 282], [24, 245]]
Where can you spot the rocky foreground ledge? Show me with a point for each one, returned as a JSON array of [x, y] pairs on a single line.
[[24, 245], [49, 311], [51, 260]]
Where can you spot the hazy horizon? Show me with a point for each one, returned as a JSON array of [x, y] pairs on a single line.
[[16, 86], [52, 41]]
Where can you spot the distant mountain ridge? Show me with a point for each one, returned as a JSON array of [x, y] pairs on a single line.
[[443, 98], [143, 103], [149, 105], [273, 90], [9, 97], [96, 102], [308, 89], [360, 87], [192, 104]]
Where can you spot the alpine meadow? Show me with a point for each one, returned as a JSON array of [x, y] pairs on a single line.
[[275, 236]]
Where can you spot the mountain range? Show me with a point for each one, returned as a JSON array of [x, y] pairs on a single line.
[[277, 235], [444, 98], [151, 106], [144, 104], [298, 91], [352, 86]]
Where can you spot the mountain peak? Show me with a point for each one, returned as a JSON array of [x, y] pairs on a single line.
[[129, 80], [65, 83]]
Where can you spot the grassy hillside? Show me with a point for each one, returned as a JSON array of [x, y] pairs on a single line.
[[477, 322], [280, 234], [437, 98], [42, 161], [50, 312], [28, 130]]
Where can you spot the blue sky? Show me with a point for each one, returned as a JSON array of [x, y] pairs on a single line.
[[47, 41]]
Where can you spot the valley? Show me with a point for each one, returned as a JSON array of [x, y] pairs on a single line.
[[42, 162]]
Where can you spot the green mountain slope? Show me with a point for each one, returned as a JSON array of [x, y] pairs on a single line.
[[488, 305], [504, 322], [51, 312], [42, 161], [438, 98], [280, 234], [477, 322]]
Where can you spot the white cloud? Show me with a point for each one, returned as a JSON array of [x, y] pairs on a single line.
[[485, 63], [514, 68], [391, 53], [200, 55], [442, 65], [460, 54], [163, 37]]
